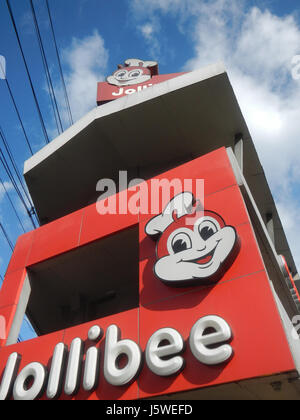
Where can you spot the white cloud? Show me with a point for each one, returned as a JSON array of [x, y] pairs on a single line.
[[257, 48], [149, 6], [85, 60], [149, 31], [7, 187], [270, 43]]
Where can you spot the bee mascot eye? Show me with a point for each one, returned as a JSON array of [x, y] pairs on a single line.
[[181, 242], [207, 229]]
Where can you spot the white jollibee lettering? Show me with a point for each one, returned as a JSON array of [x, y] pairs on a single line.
[[156, 350], [73, 369], [10, 374], [121, 91], [90, 378], [130, 91], [199, 341], [114, 349], [56, 371], [38, 374], [163, 358]]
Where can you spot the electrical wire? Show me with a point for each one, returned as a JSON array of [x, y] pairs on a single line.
[[6, 237], [29, 207], [47, 72], [59, 64], [17, 110], [27, 71], [14, 165], [12, 204], [56, 114], [10, 175]]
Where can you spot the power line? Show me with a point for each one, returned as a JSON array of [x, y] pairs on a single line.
[[12, 204], [17, 110], [14, 165], [10, 175], [47, 72], [6, 237], [59, 64], [27, 71], [31, 210]]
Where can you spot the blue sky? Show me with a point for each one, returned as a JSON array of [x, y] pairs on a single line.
[[256, 40]]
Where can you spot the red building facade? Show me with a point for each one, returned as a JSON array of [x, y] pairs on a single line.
[[188, 301]]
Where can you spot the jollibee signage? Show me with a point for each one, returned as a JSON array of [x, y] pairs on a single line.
[[155, 357], [134, 76], [206, 314]]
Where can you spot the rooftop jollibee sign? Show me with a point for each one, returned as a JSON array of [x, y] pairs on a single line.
[[221, 325], [134, 76]]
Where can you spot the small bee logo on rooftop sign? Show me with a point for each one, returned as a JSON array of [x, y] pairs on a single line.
[[134, 71]]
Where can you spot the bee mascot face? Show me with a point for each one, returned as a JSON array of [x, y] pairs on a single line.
[[194, 246], [134, 72]]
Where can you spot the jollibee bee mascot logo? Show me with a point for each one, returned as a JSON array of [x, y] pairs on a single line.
[[194, 246], [134, 71]]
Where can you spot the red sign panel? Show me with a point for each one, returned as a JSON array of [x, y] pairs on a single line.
[[229, 304], [108, 92]]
